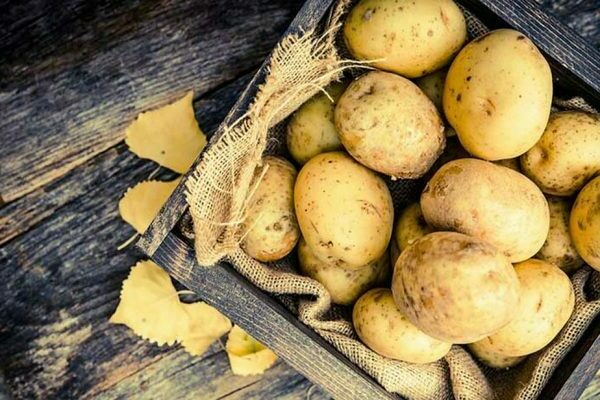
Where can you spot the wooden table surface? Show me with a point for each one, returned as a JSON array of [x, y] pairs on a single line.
[[72, 75]]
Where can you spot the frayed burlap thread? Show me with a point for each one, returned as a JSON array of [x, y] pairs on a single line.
[[221, 187]]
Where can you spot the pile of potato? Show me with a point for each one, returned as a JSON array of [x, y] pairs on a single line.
[[511, 204]]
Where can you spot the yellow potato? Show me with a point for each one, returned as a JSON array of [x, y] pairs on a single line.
[[492, 359], [567, 155], [384, 329], [271, 229], [546, 301], [512, 163], [433, 87], [584, 223], [344, 285], [498, 94], [407, 37], [344, 210], [489, 202], [388, 124], [558, 249], [452, 151], [394, 253], [410, 226], [311, 130], [455, 287]]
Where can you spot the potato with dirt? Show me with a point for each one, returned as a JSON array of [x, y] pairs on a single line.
[[433, 87], [454, 287], [271, 229], [567, 155], [344, 285], [584, 223], [490, 202], [385, 330], [410, 226], [492, 359], [311, 130], [497, 95], [558, 249], [546, 302], [387, 124], [344, 210], [406, 37]]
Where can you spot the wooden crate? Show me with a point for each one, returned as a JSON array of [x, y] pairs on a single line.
[[576, 71]]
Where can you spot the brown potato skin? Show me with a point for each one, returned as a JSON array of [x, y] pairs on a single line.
[[410, 226], [344, 210], [410, 38], [344, 285], [490, 202], [272, 224], [384, 329], [311, 130], [454, 287], [558, 249], [584, 223], [492, 359], [388, 124], [546, 302], [498, 95], [567, 155]]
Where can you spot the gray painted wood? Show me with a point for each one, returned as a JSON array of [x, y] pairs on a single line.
[[72, 77], [62, 176]]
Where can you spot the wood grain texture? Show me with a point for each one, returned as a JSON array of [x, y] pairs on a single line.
[[19, 216], [60, 272], [55, 341], [309, 16], [269, 322], [72, 77]]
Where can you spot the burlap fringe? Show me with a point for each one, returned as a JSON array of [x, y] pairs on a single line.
[[218, 195]]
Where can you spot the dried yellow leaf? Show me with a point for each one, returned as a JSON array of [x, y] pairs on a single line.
[[246, 355], [141, 203], [150, 305], [169, 135], [206, 325]]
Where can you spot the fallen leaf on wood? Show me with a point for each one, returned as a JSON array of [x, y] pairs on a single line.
[[169, 135], [141, 203], [206, 325], [150, 305], [246, 355]]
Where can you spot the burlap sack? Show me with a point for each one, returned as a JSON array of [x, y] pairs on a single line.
[[221, 187]]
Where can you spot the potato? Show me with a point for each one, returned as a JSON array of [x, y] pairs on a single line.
[[311, 130], [344, 210], [558, 249], [433, 87], [410, 226], [455, 287], [546, 302], [498, 94], [584, 223], [271, 229], [344, 285], [567, 155], [492, 359], [388, 124], [512, 163], [383, 328], [407, 37], [489, 202], [394, 253]]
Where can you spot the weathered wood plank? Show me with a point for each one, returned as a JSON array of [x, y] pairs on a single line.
[[71, 77], [308, 17], [269, 322], [19, 216], [61, 281]]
